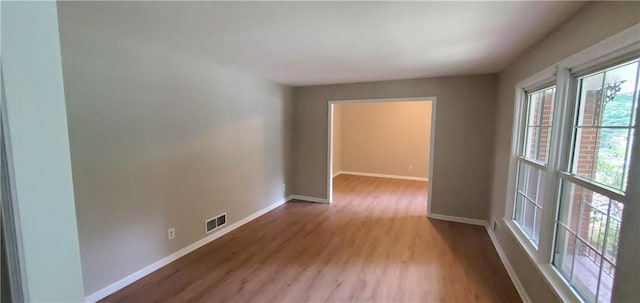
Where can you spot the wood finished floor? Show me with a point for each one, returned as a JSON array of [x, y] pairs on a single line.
[[373, 243]]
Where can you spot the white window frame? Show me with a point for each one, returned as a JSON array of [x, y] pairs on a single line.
[[620, 45], [520, 131]]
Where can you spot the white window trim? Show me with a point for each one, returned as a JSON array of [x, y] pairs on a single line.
[[545, 81], [621, 44]]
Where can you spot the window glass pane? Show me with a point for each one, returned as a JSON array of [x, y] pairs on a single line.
[[614, 105], [613, 232], [535, 103], [519, 209], [606, 282], [627, 163], [538, 126], [602, 155], [543, 148], [529, 196], [604, 130], [594, 220], [564, 252], [522, 172], [586, 268], [590, 99], [540, 107], [542, 175], [532, 184], [537, 223], [570, 202], [528, 218], [531, 142]]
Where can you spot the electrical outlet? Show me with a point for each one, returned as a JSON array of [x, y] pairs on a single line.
[[284, 188], [171, 233], [494, 225], [410, 168]]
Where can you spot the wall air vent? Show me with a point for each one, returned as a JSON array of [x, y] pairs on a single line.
[[215, 222]]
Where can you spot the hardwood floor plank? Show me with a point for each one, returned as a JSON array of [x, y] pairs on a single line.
[[373, 244]]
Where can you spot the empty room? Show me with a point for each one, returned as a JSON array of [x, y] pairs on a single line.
[[212, 151], [388, 139], [379, 162]]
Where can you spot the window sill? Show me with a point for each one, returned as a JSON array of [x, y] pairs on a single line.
[[554, 279]]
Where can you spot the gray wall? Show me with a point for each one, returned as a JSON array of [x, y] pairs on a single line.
[[461, 181], [591, 24], [160, 140], [39, 152]]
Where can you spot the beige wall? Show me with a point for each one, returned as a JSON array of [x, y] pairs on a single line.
[[593, 23], [162, 140], [463, 137], [336, 147], [386, 138]]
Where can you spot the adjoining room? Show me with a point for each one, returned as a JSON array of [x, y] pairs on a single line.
[[382, 141]]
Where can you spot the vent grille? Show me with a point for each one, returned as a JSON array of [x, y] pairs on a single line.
[[215, 222]]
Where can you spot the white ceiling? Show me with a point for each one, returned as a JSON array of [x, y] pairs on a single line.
[[306, 43]]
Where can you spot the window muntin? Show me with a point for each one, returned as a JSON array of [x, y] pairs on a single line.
[[534, 151], [587, 240], [587, 164], [605, 124], [538, 124], [529, 200], [590, 206]]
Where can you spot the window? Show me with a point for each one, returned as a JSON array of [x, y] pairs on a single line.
[[533, 153], [538, 125], [587, 240], [593, 185], [572, 159], [605, 123]]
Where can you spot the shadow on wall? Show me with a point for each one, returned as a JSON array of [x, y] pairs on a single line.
[[160, 140]]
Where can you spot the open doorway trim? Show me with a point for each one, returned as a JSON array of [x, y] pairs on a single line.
[[12, 250], [432, 99]]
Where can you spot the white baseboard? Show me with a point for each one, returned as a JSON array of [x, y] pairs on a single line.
[[512, 274], [104, 292], [458, 219], [355, 173], [307, 198]]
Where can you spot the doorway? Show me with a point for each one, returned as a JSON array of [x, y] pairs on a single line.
[[388, 138]]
